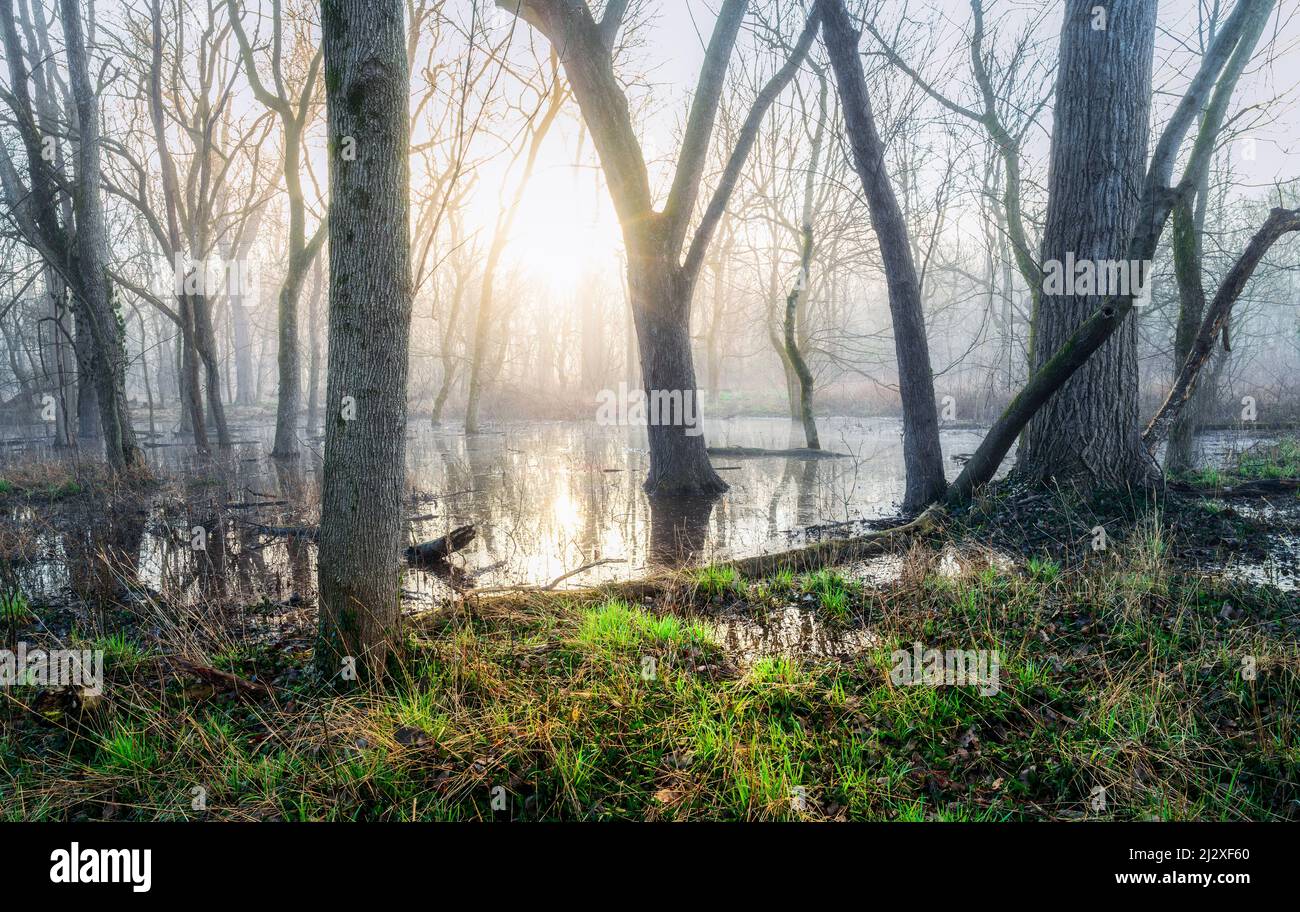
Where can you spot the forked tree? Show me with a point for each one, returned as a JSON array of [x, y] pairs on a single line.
[[662, 267]]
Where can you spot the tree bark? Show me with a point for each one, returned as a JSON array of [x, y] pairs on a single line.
[[660, 279], [1089, 429], [92, 252], [922, 454], [313, 357], [367, 81], [1279, 222], [1156, 202], [1187, 234]]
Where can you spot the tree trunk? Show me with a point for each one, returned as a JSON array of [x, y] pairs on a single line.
[[797, 362], [679, 463], [206, 345], [244, 380], [60, 367], [922, 454], [313, 362], [89, 430], [799, 294], [288, 364], [92, 250], [367, 82], [1089, 429]]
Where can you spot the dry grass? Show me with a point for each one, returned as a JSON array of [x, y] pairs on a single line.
[[1119, 672]]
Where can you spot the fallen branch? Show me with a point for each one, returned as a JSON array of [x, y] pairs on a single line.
[[1263, 487], [438, 550], [223, 680], [741, 452], [1279, 222], [797, 560], [839, 551]]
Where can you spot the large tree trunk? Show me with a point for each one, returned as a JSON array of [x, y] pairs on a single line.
[[1157, 198], [679, 462], [92, 250], [1089, 429], [367, 84], [922, 454]]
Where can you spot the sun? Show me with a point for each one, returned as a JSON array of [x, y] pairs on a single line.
[[564, 230]]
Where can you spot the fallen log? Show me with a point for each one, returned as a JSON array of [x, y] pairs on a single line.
[[797, 560], [740, 452], [438, 550], [220, 680], [1263, 487], [838, 551]]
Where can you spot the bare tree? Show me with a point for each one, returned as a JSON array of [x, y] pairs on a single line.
[[1156, 201], [922, 455], [293, 110], [661, 280], [83, 259], [367, 81]]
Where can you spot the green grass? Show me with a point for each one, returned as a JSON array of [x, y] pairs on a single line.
[[1262, 462], [1116, 673], [713, 582], [14, 607], [123, 750], [834, 593], [1280, 460]]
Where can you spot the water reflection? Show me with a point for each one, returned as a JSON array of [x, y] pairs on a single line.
[[546, 498]]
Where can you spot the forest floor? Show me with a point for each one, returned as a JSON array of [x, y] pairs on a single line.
[[1130, 683]]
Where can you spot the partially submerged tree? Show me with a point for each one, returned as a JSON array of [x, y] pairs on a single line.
[[293, 109], [661, 277], [80, 256], [799, 293]]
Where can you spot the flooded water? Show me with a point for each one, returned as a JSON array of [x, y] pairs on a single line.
[[552, 502]]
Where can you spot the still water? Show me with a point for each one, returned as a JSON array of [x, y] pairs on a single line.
[[552, 502]]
